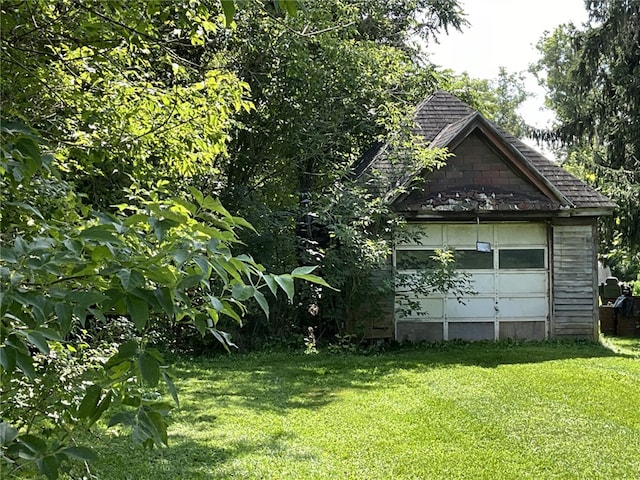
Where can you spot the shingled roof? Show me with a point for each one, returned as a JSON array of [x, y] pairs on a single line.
[[445, 121]]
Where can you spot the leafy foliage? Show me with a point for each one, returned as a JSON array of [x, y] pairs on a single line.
[[127, 114], [128, 90], [326, 84], [157, 257]]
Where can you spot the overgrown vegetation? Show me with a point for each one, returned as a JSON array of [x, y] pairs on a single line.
[[123, 125], [144, 145]]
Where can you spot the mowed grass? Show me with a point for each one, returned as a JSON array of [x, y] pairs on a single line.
[[472, 411]]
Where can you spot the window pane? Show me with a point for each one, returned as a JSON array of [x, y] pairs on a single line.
[[522, 258], [414, 259], [474, 260]]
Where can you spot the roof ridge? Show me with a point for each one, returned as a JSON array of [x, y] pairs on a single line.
[[441, 118]]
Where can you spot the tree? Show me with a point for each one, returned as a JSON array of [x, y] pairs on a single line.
[[592, 75], [326, 85], [129, 91], [114, 103]]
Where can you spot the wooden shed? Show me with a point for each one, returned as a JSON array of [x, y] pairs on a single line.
[[522, 227]]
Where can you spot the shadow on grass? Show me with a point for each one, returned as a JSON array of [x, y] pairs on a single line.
[[186, 458], [251, 387], [282, 381]]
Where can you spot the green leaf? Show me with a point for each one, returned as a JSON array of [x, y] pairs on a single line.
[[101, 408], [200, 322], [230, 312], [195, 193], [49, 466], [149, 369], [213, 315], [216, 303], [161, 227], [150, 425], [100, 233], [243, 223], [7, 433], [189, 282], [29, 208], [303, 270], [49, 334], [89, 403], [313, 279], [25, 364], [271, 283], [31, 151], [64, 313], [128, 349], [139, 311], [224, 338], [37, 339], [172, 388], [229, 9], [80, 453], [160, 426], [8, 358], [100, 252], [130, 279], [286, 283], [34, 444], [165, 299], [262, 301], [242, 292], [203, 264], [125, 418], [215, 205], [219, 269], [85, 299]]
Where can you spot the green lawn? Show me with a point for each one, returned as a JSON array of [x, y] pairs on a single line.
[[473, 411]]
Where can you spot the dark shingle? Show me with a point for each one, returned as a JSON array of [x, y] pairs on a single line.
[[441, 117]]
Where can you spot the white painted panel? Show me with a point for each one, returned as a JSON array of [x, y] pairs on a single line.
[[519, 307], [483, 283], [528, 283], [465, 236], [409, 282], [476, 307], [424, 234], [431, 309], [530, 234]]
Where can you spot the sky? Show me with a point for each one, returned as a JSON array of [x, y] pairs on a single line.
[[504, 33]]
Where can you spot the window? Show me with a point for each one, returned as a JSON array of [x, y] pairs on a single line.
[[521, 258], [474, 260], [414, 259]]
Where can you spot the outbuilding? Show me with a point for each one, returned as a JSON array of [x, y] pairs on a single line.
[[523, 228]]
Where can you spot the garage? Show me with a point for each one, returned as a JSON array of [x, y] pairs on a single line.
[[521, 227], [510, 280]]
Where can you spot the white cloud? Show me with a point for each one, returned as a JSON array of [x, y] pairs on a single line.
[[504, 33]]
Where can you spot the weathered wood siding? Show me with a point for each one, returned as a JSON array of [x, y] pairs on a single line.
[[575, 312]]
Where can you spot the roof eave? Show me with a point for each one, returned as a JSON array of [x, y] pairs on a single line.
[[587, 212]]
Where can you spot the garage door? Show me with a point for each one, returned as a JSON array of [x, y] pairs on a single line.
[[510, 283]]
